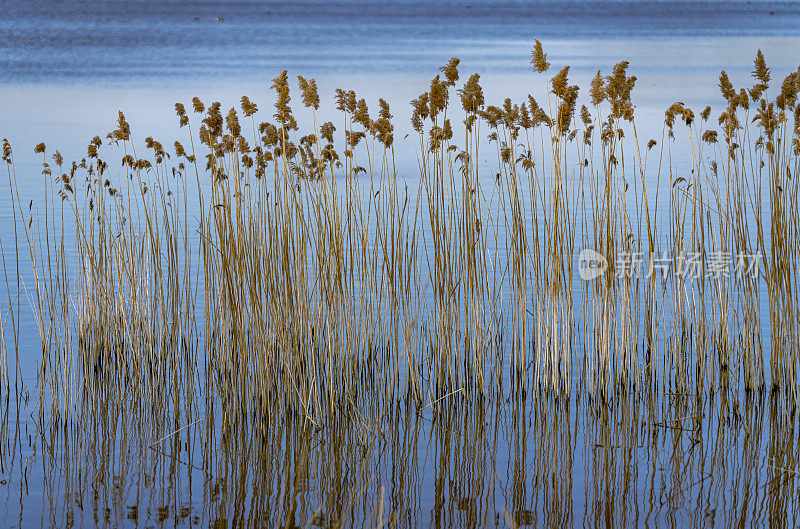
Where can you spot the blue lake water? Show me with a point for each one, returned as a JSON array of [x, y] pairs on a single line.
[[67, 67]]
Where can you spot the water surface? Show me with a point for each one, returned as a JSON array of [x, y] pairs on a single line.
[[66, 68]]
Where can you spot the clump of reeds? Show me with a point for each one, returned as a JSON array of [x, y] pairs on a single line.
[[296, 273]]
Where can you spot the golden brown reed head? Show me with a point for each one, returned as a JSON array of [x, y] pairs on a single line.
[[618, 90], [232, 123], [437, 97], [183, 119], [559, 82], [197, 105], [361, 114], [450, 71], [124, 130], [710, 136], [248, 107], [539, 58], [761, 74], [472, 94], [7, 152], [597, 91], [310, 97], [726, 87], [420, 111]]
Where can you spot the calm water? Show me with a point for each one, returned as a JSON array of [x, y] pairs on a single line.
[[67, 67]]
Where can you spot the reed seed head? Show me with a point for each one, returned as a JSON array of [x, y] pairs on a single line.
[[710, 136], [760, 70], [726, 87], [283, 112], [361, 115], [618, 91], [539, 58], [559, 82], [597, 91], [183, 119], [310, 97], [7, 152], [248, 107], [450, 71], [472, 94], [232, 123], [197, 105]]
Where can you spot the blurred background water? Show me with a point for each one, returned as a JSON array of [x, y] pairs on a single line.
[[66, 67]]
